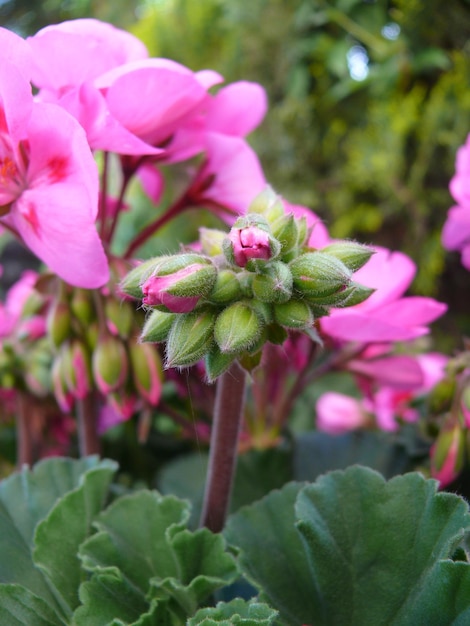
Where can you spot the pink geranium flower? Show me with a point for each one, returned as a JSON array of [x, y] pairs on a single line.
[[49, 183], [386, 315], [456, 231]]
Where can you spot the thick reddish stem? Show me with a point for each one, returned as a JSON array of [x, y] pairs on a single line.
[[228, 415]]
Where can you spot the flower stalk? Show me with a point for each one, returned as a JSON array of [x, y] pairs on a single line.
[[228, 415]]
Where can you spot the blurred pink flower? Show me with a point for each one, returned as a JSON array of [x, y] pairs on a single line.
[[338, 413], [49, 183], [386, 315], [456, 231]]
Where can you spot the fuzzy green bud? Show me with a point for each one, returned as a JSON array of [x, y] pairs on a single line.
[[179, 282], [211, 241], [267, 203], [59, 323], [353, 255], [286, 231], [110, 364], [274, 284], [119, 317], [157, 326], [81, 305], [237, 328], [190, 338], [131, 284], [293, 314], [317, 274], [226, 289], [146, 371]]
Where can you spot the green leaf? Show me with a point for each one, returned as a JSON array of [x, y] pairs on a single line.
[[20, 607], [143, 553], [237, 611], [371, 551], [109, 598], [59, 536], [134, 537], [26, 498], [272, 554]]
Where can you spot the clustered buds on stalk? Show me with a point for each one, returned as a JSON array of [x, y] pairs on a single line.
[[244, 288]]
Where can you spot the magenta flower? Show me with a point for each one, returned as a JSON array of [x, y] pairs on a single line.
[[456, 231], [49, 183], [338, 413], [386, 315], [248, 243]]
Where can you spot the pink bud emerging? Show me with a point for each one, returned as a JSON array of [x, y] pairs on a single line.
[[156, 290], [248, 243]]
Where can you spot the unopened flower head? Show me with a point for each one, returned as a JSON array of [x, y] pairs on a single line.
[[245, 288]]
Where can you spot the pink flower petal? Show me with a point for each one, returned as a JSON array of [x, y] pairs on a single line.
[[456, 231], [404, 372], [237, 109], [338, 413]]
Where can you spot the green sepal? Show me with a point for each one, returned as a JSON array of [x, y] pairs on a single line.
[[267, 203], [276, 334], [190, 338], [217, 363], [237, 328], [157, 326]]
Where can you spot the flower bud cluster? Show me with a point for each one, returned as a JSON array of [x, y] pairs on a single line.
[[244, 288], [94, 340]]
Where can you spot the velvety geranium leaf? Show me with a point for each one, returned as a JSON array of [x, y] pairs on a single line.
[[237, 611], [68, 524], [376, 545], [134, 537], [108, 598], [272, 554], [26, 498], [144, 549], [18, 607], [370, 552], [203, 567]]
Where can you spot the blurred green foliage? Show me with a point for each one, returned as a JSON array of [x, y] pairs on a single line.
[[369, 101]]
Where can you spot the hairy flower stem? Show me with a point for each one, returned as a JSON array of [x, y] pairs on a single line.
[[88, 440], [228, 414]]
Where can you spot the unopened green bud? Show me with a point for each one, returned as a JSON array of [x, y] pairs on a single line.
[[190, 338], [237, 328], [293, 314], [82, 307], [286, 231], [264, 310], [157, 326], [211, 241], [131, 283], [59, 323], [119, 317], [226, 289], [179, 282], [353, 255], [37, 371], [110, 364], [267, 203], [274, 284], [75, 363], [351, 295], [146, 371], [318, 274]]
